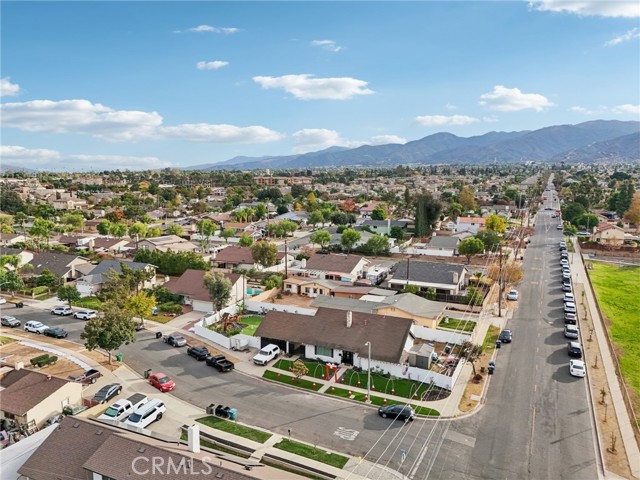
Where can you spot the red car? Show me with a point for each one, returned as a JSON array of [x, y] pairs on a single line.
[[162, 382]]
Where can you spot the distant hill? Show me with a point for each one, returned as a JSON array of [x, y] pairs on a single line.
[[5, 168], [599, 140]]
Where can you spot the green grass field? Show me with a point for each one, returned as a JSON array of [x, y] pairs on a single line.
[[617, 293], [379, 401], [314, 453], [457, 324], [316, 369], [380, 383], [291, 380], [88, 302], [489, 343], [235, 429], [252, 323]]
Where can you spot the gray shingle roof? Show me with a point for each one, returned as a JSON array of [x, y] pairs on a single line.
[[428, 272], [58, 263], [406, 302], [333, 263], [442, 241]]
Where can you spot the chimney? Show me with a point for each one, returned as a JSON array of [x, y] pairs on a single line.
[[349, 319], [193, 436], [455, 277]]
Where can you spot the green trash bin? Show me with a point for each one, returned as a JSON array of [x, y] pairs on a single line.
[[119, 357]]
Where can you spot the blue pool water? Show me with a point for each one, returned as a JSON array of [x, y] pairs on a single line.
[[253, 291]]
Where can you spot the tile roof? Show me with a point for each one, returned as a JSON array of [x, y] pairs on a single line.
[[191, 284], [328, 328], [241, 255], [333, 263], [24, 389]]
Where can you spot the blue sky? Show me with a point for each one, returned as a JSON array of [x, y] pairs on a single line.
[[106, 85]]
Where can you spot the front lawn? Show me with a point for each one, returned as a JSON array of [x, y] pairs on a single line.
[[90, 303], [380, 383], [616, 289], [289, 380], [314, 453], [379, 401], [490, 339], [457, 324], [252, 323], [4, 340], [316, 369], [235, 429]]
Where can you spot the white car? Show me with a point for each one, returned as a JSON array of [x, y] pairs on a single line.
[[35, 327], [571, 331], [570, 307], [267, 354], [3, 300], [568, 297], [512, 295], [85, 314], [577, 368], [61, 310]]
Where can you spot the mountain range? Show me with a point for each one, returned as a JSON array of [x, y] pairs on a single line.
[[588, 142]]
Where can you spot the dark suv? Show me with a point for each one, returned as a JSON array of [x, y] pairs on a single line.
[[505, 336], [574, 349], [199, 353]]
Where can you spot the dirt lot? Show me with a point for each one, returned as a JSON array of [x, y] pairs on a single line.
[[14, 352]]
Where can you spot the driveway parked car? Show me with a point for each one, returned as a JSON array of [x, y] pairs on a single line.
[[162, 382], [90, 376], [85, 314], [35, 327], [577, 368], [56, 332], [512, 295], [61, 310], [505, 336], [9, 321], [267, 354], [107, 392], [400, 412], [199, 353], [175, 340]]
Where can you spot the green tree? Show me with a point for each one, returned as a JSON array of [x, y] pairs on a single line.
[[10, 281], [316, 217], [320, 237], [227, 233], [175, 229], [471, 352], [496, 223], [571, 211], [74, 219], [409, 288], [219, 288], [260, 211], [376, 245], [154, 232], [48, 279], [246, 240], [119, 230], [6, 222], [10, 201], [469, 247], [138, 230], [349, 238], [586, 220], [110, 330], [104, 227], [273, 281], [68, 293], [427, 213], [206, 229], [20, 219], [467, 199], [489, 238], [140, 305], [378, 213], [397, 233], [264, 254], [42, 230]]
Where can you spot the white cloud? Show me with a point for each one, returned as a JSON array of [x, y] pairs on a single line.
[[505, 99], [625, 37], [99, 121], [582, 110], [8, 89], [214, 65], [490, 119], [305, 87], [449, 106], [435, 120], [209, 29], [329, 45], [44, 159], [627, 108], [601, 8], [386, 139], [204, 132]]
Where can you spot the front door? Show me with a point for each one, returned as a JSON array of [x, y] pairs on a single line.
[[347, 357]]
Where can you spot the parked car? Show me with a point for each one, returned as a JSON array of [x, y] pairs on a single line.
[[9, 321], [267, 354], [564, 261], [505, 336], [564, 254], [162, 382], [566, 276], [570, 307], [583, 233], [568, 297], [56, 332], [574, 349], [220, 363], [559, 227], [397, 411], [3, 300], [577, 368], [571, 331], [199, 353], [121, 409], [566, 281], [175, 340], [567, 288], [107, 392], [512, 295], [35, 327], [62, 310], [147, 413], [570, 318], [90, 376], [85, 314]]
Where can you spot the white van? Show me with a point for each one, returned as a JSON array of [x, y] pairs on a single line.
[[146, 414]]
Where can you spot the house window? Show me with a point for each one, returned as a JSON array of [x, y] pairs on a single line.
[[324, 351]]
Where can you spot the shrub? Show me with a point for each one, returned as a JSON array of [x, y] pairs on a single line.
[[170, 307], [35, 361]]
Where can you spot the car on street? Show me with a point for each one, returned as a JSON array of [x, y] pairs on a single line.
[[175, 340], [162, 382], [574, 349], [577, 368], [570, 318], [568, 297], [570, 307], [559, 227], [55, 332], [505, 336], [199, 353], [564, 261], [567, 288], [397, 411], [89, 376], [512, 295], [564, 255], [62, 310], [266, 354], [566, 276], [583, 233], [10, 321], [571, 331], [85, 314], [107, 392], [220, 363], [35, 327]]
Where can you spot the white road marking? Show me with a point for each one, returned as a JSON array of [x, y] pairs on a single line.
[[346, 433]]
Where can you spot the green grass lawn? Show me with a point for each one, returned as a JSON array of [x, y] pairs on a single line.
[[91, 303], [617, 293], [289, 380], [458, 324], [252, 323], [160, 318], [379, 401], [316, 369], [490, 338], [380, 383], [314, 453], [4, 340], [235, 429]]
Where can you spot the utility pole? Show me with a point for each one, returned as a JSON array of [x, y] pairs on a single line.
[[408, 271], [500, 285], [286, 261]]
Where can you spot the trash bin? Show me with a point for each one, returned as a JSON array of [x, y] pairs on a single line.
[[158, 335], [498, 344], [211, 409], [491, 368], [147, 373], [119, 356], [233, 414], [19, 305]]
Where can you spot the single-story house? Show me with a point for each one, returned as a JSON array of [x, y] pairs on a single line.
[[309, 287], [241, 257], [7, 239], [93, 280], [62, 265], [608, 234], [440, 246], [168, 242], [355, 292], [190, 286], [383, 227], [27, 396], [445, 278], [338, 336], [341, 267]]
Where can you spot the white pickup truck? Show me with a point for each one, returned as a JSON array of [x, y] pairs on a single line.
[[121, 409]]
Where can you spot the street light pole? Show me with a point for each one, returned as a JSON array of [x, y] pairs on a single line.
[[368, 344]]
